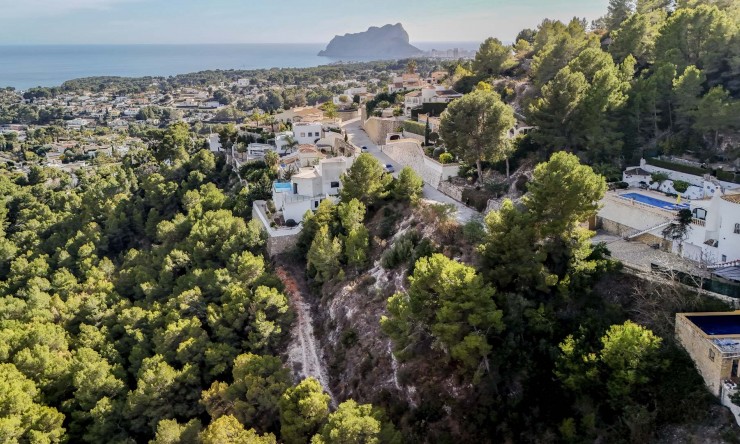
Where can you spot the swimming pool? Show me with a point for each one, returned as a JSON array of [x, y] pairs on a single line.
[[718, 324], [283, 187], [655, 202]]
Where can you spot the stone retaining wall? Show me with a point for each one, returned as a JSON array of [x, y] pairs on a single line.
[[279, 240], [408, 152], [451, 190], [377, 128], [283, 244]]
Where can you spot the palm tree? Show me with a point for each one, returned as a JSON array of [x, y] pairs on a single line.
[[291, 143], [270, 120]]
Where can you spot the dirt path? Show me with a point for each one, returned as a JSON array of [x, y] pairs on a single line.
[[303, 350]]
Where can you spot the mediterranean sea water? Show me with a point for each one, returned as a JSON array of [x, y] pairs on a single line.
[[26, 66]]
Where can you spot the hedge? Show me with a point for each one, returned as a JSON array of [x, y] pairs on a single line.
[[688, 169], [414, 127], [727, 176]]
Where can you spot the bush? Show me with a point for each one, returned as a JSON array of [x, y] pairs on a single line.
[[521, 183], [728, 176], [414, 127], [446, 158], [621, 185], [659, 177], [474, 231], [680, 186], [407, 249]]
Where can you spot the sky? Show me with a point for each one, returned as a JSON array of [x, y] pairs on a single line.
[[272, 21]]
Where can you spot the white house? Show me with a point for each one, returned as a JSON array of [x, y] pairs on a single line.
[[307, 133], [700, 187], [714, 236], [309, 186], [429, 94], [405, 82], [77, 123]]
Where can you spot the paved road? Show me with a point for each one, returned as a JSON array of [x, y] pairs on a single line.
[[359, 137]]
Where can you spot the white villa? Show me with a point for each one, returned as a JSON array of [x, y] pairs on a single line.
[[309, 186], [428, 94], [307, 133], [713, 238]]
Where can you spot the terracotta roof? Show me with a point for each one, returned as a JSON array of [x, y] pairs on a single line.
[[305, 148], [734, 198]]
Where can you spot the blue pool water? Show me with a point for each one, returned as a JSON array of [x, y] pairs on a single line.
[[283, 186], [717, 325], [655, 202]]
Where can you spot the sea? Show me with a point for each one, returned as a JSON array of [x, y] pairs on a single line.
[[26, 66]]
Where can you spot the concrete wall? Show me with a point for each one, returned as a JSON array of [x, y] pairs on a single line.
[[698, 346], [348, 115], [280, 245], [279, 240], [408, 152], [451, 190], [410, 135], [377, 128], [445, 170]]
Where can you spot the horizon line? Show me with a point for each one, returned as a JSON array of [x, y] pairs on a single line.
[[214, 43]]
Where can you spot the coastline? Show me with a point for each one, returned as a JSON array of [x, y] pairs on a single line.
[[28, 66]]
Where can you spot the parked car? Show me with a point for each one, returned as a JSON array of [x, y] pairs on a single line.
[[363, 149], [390, 169]]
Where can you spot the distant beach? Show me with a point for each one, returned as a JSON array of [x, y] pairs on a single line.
[[26, 66]]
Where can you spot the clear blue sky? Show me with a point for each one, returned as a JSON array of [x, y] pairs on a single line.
[[267, 21]]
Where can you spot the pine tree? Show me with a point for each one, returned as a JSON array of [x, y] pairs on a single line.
[[323, 256]]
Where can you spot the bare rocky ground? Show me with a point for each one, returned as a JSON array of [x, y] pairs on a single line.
[[303, 351], [718, 428]]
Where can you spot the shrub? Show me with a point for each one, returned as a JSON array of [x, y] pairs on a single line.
[[414, 127], [473, 231], [407, 249], [445, 158], [680, 186], [621, 185], [659, 177], [521, 183]]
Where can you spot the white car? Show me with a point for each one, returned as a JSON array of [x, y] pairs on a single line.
[[389, 168], [363, 149]]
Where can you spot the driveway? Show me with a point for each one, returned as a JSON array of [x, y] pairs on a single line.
[[359, 138]]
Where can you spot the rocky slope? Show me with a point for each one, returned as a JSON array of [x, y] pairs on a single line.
[[387, 42]]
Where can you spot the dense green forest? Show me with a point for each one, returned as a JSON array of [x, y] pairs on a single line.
[[651, 76], [136, 304]]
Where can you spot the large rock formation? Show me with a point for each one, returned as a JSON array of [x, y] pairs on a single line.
[[388, 42]]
